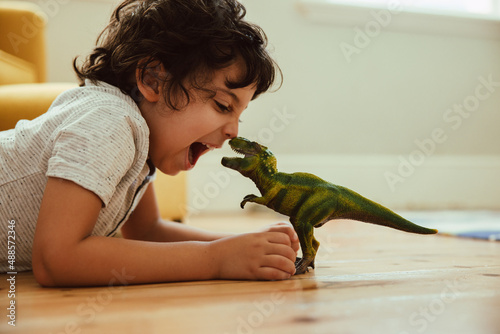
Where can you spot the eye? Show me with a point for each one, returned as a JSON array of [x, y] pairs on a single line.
[[222, 107]]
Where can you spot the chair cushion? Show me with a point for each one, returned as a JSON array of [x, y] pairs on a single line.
[[27, 101], [22, 33], [14, 70]]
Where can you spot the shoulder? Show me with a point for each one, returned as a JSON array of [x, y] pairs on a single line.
[[101, 139], [97, 96], [101, 107]]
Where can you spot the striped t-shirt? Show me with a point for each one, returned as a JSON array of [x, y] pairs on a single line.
[[94, 136]]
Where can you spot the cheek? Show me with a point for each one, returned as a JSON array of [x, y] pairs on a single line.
[[207, 122]]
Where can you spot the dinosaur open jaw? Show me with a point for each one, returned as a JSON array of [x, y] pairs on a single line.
[[234, 162], [242, 151], [244, 146]]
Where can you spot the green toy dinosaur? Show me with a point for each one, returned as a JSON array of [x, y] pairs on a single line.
[[308, 200]]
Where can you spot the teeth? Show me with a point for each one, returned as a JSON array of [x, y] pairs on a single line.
[[210, 147], [236, 150]]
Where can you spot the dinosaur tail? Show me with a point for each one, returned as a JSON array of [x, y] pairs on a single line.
[[357, 207]]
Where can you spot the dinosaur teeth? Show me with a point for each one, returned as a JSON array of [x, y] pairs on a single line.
[[236, 150]]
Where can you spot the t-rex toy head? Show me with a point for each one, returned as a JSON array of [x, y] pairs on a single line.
[[257, 160]]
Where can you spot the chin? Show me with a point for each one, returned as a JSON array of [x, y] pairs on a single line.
[[173, 173], [170, 171], [167, 169]]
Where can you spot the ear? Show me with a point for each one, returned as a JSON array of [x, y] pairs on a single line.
[[150, 79]]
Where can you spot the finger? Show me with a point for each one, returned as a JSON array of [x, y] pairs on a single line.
[[282, 250], [279, 262], [279, 238], [278, 225], [286, 227], [296, 245], [283, 223], [293, 238], [272, 274]]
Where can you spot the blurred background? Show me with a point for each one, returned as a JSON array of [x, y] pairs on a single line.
[[397, 102]]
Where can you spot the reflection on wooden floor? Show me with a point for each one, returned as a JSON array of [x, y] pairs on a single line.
[[368, 279]]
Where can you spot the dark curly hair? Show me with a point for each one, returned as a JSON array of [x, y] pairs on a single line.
[[188, 37]]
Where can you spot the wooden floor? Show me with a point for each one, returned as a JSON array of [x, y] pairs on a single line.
[[368, 279]]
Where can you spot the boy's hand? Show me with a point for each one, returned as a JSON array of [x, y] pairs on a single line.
[[284, 227], [266, 255]]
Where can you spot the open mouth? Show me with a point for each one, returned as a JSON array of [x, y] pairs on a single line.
[[196, 150]]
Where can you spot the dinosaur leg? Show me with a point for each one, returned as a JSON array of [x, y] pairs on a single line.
[[315, 244], [308, 244], [308, 219]]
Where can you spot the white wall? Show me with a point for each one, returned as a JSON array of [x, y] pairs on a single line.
[[382, 123]]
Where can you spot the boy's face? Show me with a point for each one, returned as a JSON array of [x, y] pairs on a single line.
[[179, 137]]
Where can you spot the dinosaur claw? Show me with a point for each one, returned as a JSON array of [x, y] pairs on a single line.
[[302, 264]]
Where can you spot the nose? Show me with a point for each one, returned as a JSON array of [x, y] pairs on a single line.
[[230, 130]]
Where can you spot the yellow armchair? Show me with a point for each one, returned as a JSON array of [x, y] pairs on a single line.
[[24, 94], [22, 39]]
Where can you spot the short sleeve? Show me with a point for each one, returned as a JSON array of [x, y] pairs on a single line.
[[94, 149]]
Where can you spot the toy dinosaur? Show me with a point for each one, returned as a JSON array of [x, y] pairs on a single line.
[[308, 200]]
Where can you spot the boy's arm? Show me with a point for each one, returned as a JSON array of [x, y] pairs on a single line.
[[145, 223], [65, 253]]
